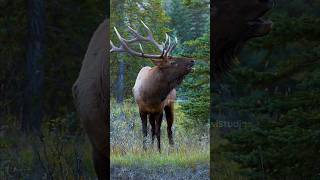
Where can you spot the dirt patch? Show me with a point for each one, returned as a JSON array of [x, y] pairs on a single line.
[[199, 172]]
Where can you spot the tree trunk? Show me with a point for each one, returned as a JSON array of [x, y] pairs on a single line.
[[120, 82], [120, 87], [33, 110]]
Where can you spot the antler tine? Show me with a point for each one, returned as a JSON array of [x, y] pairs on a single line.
[[165, 45], [172, 47], [124, 47], [168, 48], [150, 37], [115, 49], [137, 36], [141, 48]]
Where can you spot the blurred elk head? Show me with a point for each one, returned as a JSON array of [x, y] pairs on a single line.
[[234, 22]]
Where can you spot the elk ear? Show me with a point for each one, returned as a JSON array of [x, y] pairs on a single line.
[[158, 62]]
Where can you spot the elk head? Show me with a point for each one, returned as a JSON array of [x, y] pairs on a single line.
[[175, 69], [172, 68], [234, 22]]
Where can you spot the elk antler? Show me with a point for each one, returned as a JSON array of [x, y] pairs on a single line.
[[166, 48]]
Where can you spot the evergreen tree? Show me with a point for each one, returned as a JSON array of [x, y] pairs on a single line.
[[275, 90]]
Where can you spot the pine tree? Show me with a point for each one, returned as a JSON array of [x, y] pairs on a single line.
[[275, 90]]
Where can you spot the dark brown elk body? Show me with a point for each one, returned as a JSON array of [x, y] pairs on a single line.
[[154, 89], [154, 93], [91, 96]]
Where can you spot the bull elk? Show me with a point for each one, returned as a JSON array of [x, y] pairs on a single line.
[[154, 89]]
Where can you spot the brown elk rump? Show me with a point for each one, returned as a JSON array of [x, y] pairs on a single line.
[[91, 96]]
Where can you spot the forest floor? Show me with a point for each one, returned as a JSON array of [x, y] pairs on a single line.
[[199, 172], [182, 163]]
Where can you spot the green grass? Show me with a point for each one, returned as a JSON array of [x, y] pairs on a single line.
[[152, 158]]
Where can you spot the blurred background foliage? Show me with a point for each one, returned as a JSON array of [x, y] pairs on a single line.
[[271, 99], [69, 25], [60, 151]]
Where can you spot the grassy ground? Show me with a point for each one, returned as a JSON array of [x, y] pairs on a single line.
[[179, 158], [190, 153], [221, 167], [55, 154], [60, 154]]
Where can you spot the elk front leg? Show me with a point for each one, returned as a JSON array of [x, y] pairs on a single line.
[[144, 118], [169, 116], [158, 118], [153, 128]]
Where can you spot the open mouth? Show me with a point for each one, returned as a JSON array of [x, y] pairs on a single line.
[[261, 22], [261, 25], [190, 69]]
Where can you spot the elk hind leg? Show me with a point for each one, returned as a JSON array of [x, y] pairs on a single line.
[[169, 116], [100, 164], [153, 127], [144, 118], [158, 118]]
